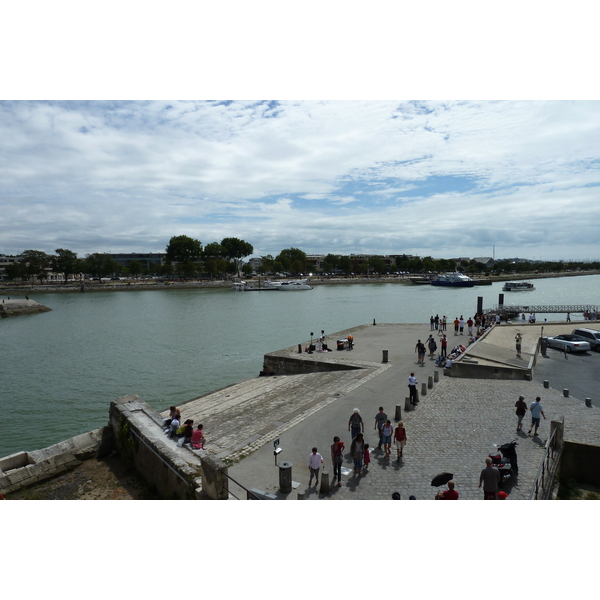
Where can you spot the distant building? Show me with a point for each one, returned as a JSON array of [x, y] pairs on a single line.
[[148, 260]]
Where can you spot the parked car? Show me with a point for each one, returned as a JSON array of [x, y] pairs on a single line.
[[591, 336], [568, 342]]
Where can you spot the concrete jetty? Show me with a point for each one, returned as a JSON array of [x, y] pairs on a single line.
[[453, 428], [18, 307]]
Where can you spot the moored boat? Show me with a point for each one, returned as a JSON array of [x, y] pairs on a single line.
[[290, 286], [517, 286], [452, 280]]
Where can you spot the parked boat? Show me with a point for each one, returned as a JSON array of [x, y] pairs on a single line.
[[420, 280], [290, 286], [266, 285], [452, 280], [517, 286]]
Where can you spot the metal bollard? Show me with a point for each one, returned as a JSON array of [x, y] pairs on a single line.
[[588, 402], [385, 356], [398, 413], [324, 489], [299, 348], [423, 389], [430, 382], [436, 376], [301, 495], [546, 383], [565, 392]]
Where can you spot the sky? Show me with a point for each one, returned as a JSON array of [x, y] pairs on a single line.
[[350, 133], [432, 178]]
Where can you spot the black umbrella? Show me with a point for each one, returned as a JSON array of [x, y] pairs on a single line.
[[441, 479]]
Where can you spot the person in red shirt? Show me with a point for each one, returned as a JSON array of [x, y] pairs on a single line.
[[449, 494]]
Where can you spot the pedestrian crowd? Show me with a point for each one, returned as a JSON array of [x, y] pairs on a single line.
[[183, 432]]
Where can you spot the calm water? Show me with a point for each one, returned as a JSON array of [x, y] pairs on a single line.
[[61, 369]]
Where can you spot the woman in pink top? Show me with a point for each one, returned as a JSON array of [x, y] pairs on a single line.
[[198, 438]]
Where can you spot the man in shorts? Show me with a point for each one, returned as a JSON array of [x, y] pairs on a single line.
[[536, 411], [490, 478]]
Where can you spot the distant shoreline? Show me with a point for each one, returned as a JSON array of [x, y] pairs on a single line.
[[8, 289]]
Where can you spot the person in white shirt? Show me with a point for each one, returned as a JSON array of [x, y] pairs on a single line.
[[314, 463]]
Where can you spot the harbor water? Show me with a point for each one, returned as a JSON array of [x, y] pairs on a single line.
[[61, 369]]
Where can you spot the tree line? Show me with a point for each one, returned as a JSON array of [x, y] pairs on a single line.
[[186, 257]]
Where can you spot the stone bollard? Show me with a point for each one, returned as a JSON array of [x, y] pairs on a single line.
[[546, 383], [423, 389], [588, 402], [436, 376], [398, 413], [301, 495], [565, 392], [430, 382], [324, 489], [385, 356], [407, 406]]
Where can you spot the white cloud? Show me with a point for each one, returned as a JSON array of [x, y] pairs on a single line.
[[440, 178]]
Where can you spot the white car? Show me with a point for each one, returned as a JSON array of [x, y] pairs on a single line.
[[568, 342]]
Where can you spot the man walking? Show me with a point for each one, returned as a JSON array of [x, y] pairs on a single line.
[[536, 411], [420, 350], [380, 419], [412, 387], [314, 463], [490, 478]]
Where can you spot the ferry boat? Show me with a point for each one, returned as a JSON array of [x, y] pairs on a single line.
[[517, 286], [452, 280]]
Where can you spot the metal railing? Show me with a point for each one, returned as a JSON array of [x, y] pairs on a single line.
[[544, 479], [249, 495], [538, 308]]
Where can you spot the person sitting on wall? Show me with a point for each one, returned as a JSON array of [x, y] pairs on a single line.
[[173, 413], [188, 431], [173, 427], [198, 440]]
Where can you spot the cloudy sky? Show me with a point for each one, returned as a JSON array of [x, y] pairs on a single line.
[[429, 178]]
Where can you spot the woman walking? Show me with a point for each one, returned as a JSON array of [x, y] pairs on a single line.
[[357, 449], [521, 410], [337, 458], [386, 437], [400, 438]]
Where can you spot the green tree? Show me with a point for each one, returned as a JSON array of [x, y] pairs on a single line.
[[135, 267], [214, 250], [345, 264], [376, 264], [16, 270], [36, 264], [330, 263], [183, 249], [292, 259], [236, 249], [100, 265], [65, 262], [266, 264]]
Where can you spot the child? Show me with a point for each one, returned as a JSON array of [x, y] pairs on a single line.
[[367, 458]]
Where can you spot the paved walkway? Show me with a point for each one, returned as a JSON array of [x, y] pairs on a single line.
[[454, 427]]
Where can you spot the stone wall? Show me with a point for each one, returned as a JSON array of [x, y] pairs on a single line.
[[174, 472], [291, 365], [580, 462], [23, 469]]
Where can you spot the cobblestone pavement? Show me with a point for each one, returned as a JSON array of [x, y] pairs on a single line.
[[454, 427]]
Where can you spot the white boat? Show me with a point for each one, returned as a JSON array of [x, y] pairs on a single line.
[[244, 286], [517, 286], [452, 280], [293, 286]]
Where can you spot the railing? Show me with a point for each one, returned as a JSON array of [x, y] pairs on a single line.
[[545, 475], [249, 495], [537, 308]]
